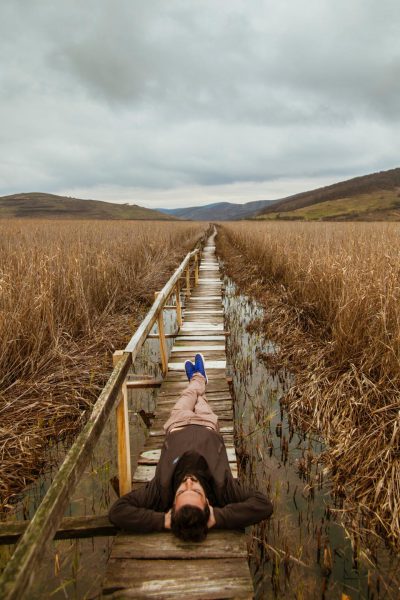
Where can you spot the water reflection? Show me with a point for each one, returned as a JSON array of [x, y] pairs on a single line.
[[303, 552]]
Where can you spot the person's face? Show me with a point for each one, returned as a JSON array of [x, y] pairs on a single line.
[[190, 492]]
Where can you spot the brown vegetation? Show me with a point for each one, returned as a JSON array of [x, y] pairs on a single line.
[[70, 293], [332, 299]]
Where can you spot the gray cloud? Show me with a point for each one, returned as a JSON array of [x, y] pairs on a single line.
[[155, 95]]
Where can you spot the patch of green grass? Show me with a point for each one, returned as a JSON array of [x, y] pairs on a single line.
[[345, 208]]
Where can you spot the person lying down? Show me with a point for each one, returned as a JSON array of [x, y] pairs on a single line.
[[193, 489]]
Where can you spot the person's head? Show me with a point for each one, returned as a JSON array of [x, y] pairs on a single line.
[[190, 511]]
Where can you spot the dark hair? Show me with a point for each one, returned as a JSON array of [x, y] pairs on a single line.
[[189, 523]]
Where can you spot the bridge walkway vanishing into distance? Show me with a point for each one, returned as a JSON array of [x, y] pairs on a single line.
[[155, 565], [159, 565]]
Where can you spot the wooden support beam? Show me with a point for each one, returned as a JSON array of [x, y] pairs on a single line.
[[155, 336], [163, 343], [123, 442], [69, 528], [144, 383]]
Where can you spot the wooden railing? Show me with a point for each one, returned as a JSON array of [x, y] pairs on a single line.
[[20, 570]]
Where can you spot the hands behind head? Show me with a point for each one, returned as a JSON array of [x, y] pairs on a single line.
[[211, 521], [167, 520]]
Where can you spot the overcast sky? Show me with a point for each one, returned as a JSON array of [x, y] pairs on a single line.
[[184, 102]]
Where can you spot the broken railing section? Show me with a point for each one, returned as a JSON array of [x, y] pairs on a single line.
[[20, 570]]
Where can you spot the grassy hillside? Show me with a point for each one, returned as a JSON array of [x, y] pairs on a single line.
[[50, 206], [381, 206], [371, 197]]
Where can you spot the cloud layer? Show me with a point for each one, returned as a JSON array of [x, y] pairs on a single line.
[[154, 101]]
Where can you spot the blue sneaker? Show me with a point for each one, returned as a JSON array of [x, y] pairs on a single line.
[[190, 369], [199, 366]]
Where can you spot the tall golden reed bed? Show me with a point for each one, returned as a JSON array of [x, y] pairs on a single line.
[[332, 298], [70, 293]]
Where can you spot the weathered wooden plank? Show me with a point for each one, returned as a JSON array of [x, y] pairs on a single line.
[[211, 353], [200, 326], [205, 296], [218, 544], [209, 356], [181, 347], [151, 457], [201, 338], [211, 364], [204, 311], [184, 578]]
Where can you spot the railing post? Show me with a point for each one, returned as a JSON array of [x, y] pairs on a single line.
[[187, 291], [124, 449], [163, 343], [196, 269], [178, 303]]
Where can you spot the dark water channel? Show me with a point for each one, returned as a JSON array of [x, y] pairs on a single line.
[[303, 552]]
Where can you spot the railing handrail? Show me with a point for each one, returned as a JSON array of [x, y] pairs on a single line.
[[20, 570], [136, 341]]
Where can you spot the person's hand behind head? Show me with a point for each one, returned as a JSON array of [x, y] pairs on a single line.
[[211, 519], [167, 520]]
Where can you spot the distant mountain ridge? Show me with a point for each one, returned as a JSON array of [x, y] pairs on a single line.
[[50, 206], [218, 211], [367, 197]]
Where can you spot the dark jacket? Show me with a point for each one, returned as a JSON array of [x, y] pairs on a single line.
[[143, 510]]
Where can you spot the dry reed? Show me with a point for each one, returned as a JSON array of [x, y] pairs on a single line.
[[70, 293], [332, 298]]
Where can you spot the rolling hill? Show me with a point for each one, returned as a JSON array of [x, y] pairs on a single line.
[[367, 198], [50, 206], [219, 211]]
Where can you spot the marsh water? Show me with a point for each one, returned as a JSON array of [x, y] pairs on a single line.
[[302, 552]]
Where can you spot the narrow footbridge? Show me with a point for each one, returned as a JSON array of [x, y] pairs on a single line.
[[156, 565]]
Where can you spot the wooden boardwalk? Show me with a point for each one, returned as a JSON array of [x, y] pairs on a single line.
[[159, 565]]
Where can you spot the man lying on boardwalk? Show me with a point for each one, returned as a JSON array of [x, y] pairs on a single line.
[[193, 488]]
